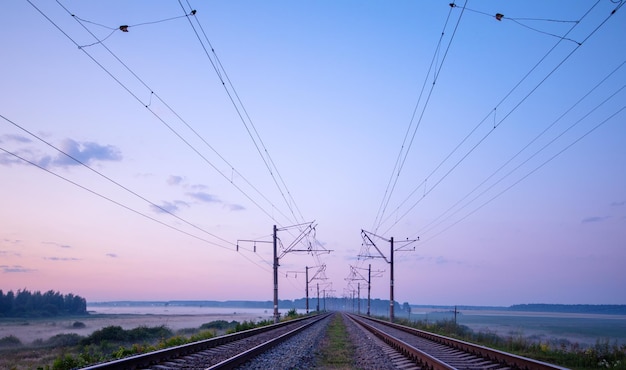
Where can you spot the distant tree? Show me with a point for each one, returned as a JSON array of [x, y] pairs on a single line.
[[27, 304], [406, 307]]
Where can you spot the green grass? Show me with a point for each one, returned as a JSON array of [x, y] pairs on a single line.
[[337, 350]]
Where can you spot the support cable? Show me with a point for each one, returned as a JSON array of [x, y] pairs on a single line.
[[499, 122], [400, 162], [242, 113], [225, 176]]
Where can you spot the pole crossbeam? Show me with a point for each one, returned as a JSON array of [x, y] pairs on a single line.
[[368, 241]]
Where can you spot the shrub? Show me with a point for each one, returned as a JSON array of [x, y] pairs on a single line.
[[292, 313], [63, 340], [10, 341], [78, 325], [109, 333], [219, 325]]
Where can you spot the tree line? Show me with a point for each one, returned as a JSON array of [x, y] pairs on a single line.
[[24, 303]]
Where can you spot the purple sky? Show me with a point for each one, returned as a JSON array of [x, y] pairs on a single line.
[[499, 143]]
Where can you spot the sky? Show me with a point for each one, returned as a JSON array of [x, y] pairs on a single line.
[[147, 149]]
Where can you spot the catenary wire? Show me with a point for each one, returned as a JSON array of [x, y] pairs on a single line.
[[400, 163], [267, 161], [140, 101], [113, 181], [178, 116], [154, 112], [112, 200], [427, 228], [497, 124], [219, 62], [531, 172]]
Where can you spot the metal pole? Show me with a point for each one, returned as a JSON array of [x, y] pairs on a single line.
[[307, 288], [358, 285], [275, 278], [391, 285], [324, 291], [318, 298], [369, 287]]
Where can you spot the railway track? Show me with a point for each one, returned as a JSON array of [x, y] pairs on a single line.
[[224, 352], [432, 351], [405, 348]]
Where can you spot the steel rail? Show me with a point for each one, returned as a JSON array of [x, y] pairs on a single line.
[[506, 359], [151, 358], [245, 356]]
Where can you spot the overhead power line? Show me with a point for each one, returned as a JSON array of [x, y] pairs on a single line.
[[496, 124], [402, 155], [537, 168], [436, 222], [115, 182], [177, 134], [245, 119]]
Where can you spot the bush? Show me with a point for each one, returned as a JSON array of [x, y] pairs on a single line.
[[109, 333], [63, 340], [144, 333], [219, 325], [292, 313], [78, 325], [10, 341], [66, 362]]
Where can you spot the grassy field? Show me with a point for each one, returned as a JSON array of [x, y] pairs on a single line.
[[585, 330]]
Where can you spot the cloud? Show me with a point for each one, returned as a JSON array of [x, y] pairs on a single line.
[[169, 207], [618, 204], [204, 197], [61, 259], [86, 152], [174, 180], [595, 219], [235, 207], [59, 245], [7, 253], [112, 255], [16, 138], [14, 269], [7, 159]]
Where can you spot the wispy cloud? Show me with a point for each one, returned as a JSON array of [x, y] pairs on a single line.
[[198, 193], [595, 219], [111, 255], [86, 152], [204, 197], [618, 204], [171, 207], [61, 259], [174, 180], [235, 207], [7, 253], [14, 138], [7, 159], [11, 241], [58, 245], [15, 269]]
